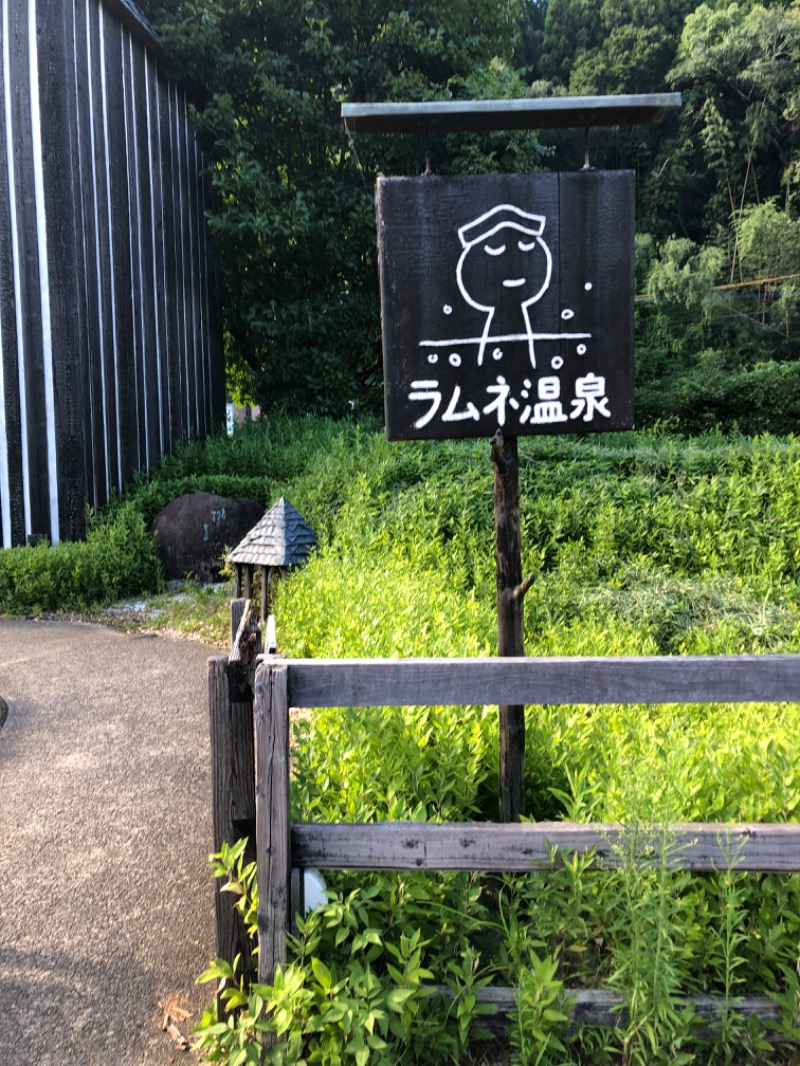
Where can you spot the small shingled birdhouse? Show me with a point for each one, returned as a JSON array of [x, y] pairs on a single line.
[[281, 539]]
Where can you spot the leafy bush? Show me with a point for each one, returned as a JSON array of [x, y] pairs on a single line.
[[640, 544], [117, 559]]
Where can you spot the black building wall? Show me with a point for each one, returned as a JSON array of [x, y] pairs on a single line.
[[109, 343]]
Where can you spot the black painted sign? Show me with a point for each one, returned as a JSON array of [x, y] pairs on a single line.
[[507, 300]]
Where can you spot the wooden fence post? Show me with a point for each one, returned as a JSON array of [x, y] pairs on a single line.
[[230, 702], [237, 610], [273, 844], [233, 797]]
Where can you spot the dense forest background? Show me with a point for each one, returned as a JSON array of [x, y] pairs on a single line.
[[718, 244]]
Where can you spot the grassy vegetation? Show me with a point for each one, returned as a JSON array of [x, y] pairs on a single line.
[[117, 559], [641, 543]]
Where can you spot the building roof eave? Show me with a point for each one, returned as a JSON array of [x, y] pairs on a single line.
[[131, 16]]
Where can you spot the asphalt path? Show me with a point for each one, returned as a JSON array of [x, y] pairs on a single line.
[[106, 898]]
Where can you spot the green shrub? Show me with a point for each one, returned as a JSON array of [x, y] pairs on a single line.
[[117, 559]]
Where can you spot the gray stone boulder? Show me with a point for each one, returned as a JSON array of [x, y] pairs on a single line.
[[194, 532]]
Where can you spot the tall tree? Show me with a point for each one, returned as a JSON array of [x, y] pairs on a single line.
[[294, 226], [738, 68], [612, 47]]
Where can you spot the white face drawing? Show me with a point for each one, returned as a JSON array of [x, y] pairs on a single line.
[[508, 265]]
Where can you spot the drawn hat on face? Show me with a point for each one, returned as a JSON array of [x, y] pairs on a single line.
[[480, 229]]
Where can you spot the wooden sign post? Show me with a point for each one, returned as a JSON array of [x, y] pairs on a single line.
[[507, 310], [510, 630]]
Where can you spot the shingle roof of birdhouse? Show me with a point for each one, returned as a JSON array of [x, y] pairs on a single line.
[[281, 538]]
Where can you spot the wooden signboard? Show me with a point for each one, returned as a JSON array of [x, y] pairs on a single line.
[[507, 301]]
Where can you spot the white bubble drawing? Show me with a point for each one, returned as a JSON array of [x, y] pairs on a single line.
[[566, 314], [556, 362], [497, 354], [433, 358], [455, 359], [581, 349], [588, 286], [448, 310]]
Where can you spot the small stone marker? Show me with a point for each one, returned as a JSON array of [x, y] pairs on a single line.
[[194, 530]]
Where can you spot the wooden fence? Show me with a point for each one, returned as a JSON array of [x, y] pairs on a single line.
[[282, 845]]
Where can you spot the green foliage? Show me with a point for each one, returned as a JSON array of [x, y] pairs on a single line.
[[646, 960], [768, 248], [540, 1001], [683, 272], [293, 225], [655, 539], [714, 354], [117, 559], [293, 221], [738, 63], [370, 1005], [641, 544]]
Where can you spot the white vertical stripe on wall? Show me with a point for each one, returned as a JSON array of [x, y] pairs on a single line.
[[17, 259], [193, 287], [107, 147], [101, 314], [5, 487], [154, 253], [137, 191], [44, 272], [164, 261]]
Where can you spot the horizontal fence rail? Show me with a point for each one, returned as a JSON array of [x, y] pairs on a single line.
[[518, 848], [443, 682], [523, 848], [605, 1008]]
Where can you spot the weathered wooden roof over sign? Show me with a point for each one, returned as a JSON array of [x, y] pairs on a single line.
[[281, 538], [555, 112]]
